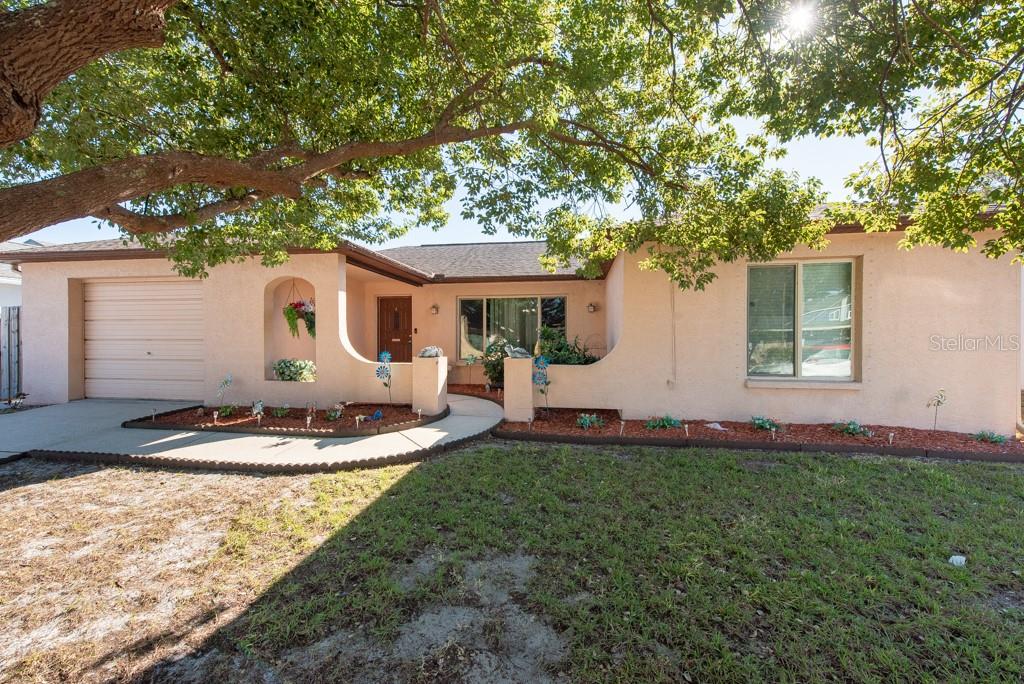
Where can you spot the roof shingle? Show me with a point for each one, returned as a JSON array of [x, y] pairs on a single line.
[[479, 260]]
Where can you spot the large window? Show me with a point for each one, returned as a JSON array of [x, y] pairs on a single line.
[[517, 320], [800, 320]]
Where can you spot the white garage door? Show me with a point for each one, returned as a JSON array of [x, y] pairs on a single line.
[[144, 339]]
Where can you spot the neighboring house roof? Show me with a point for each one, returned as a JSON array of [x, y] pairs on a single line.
[[480, 261], [414, 265], [8, 276]]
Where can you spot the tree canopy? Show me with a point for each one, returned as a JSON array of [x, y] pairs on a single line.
[[258, 126]]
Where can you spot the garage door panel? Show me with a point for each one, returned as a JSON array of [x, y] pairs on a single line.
[[156, 349], [143, 369], [143, 330], [144, 291], [134, 389], [114, 311], [144, 339]]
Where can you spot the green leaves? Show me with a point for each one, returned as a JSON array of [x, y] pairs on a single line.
[[612, 103]]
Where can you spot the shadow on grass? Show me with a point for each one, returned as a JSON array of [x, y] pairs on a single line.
[[542, 563]]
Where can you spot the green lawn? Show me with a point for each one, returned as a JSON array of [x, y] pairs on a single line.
[[658, 565]]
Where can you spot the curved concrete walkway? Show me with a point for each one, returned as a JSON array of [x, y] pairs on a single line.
[[90, 430]]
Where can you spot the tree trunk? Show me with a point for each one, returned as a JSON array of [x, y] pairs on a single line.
[[42, 45]]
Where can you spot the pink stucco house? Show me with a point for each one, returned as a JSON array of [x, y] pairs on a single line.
[[861, 330]]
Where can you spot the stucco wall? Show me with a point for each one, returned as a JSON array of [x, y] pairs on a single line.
[[235, 310], [906, 298]]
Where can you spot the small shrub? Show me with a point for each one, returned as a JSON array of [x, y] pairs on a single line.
[[295, 370], [764, 423], [281, 411], [663, 423], [334, 414], [852, 428], [494, 361], [558, 350], [989, 436], [589, 420], [226, 410]]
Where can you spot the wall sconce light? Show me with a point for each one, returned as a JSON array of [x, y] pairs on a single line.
[[592, 307], [435, 309]]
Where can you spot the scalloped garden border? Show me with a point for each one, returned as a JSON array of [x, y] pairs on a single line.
[[752, 445]]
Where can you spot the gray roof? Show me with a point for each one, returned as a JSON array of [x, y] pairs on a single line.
[[439, 263], [478, 260]]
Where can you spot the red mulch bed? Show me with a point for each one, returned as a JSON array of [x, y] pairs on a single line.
[[295, 420], [563, 422], [478, 391]]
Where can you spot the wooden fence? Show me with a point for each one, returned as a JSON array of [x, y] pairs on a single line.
[[10, 352]]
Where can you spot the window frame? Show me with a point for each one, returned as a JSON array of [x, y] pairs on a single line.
[[798, 310], [485, 298]]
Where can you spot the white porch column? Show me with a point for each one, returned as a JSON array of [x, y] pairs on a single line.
[[518, 390], [429, 384]]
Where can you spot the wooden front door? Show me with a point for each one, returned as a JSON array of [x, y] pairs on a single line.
[[394, 328]]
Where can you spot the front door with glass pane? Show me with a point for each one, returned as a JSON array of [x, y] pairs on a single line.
[[394, 328]]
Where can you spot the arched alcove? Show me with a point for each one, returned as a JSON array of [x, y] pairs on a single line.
[[278, 340]]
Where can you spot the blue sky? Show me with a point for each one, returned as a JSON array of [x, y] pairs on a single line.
[[829, 160]]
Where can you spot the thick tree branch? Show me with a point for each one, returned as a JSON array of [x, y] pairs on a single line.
[[42, 45], [28, 207], [100, 190]]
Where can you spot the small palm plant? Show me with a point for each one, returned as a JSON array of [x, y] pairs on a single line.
[[937, 400], [384, 371]]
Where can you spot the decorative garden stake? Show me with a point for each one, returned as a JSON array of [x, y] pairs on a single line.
[[419, 414], [891, 435], [540, 378], [686, 429], [309, 421], [384, 371], [939, 399], [216, 414], [622, 427], [773, 434]]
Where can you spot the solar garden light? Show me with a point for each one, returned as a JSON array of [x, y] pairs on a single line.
[[153, 418], [531, 424], [622, 427], [309, 419], [891, 435], [686, 429], [773, 434], [419, 414], [259, 419], [216, 414]]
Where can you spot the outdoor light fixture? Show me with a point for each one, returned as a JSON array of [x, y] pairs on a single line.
[[592, 307], [435, 309]]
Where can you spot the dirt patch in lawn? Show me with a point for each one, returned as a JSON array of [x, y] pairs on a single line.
[[485, 635], [558, 421], [291, 418]]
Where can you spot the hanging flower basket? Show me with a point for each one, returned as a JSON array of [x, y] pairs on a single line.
[[303, 310]]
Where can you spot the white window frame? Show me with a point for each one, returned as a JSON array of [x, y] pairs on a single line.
[[798, 311], [485, 298]]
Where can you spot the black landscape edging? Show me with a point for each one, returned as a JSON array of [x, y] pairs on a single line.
[[147, 423], [749, 445]]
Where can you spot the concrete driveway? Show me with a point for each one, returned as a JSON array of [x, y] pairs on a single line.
[[94, 426]]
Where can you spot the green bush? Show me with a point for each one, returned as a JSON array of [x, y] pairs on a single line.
[[990, 437], [334, 414], [560, 351], [663, 423], [494, 361], [281, 411], [764, 423], [852, 428], [589, 420], [295, 370], [226, 410]]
